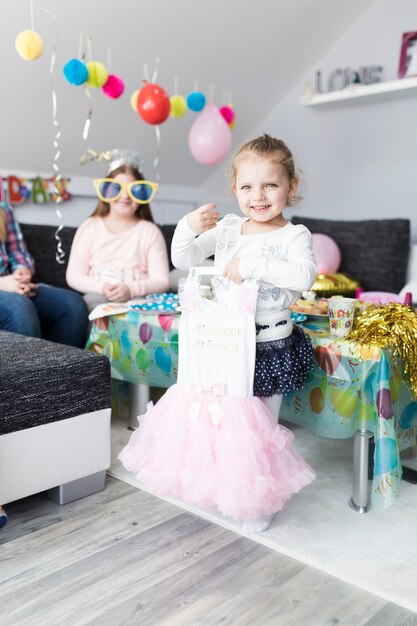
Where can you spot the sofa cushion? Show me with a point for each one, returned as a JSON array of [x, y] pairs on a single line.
[[42, 245], [375, 252], [43, 382]]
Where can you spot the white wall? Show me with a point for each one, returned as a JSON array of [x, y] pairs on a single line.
[[359, 160], [170, 204]]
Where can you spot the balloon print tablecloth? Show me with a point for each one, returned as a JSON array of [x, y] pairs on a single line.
[[351, 387], [355, 387], [142, 347]]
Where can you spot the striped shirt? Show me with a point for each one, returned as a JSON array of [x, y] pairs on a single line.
[[13, 251]]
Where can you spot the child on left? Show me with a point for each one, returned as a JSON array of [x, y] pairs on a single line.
[[119, 253]]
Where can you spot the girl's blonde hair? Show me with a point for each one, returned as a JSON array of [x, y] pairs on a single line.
[[143, 212], [275, 150]]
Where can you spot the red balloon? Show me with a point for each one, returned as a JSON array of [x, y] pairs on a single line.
[[153, 104]]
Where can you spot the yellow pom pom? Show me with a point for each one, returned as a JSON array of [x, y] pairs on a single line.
[[97, 74], [178, 106], [29, 45], [134, 100]]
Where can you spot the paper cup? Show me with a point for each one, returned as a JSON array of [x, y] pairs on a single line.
[[341, 314]]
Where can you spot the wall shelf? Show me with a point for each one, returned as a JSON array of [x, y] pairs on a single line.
[[363, 93]]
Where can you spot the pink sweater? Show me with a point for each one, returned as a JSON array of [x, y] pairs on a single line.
[[137, 257]]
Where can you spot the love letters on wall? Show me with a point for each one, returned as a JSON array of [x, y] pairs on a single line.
[[38, 190]]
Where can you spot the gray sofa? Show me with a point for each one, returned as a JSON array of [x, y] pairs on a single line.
[[374, 252], [55, 406]]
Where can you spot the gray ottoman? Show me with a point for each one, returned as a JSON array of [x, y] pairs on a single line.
[[54, 419]]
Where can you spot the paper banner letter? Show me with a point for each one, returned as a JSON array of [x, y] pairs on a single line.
[[39, 193], [60, 192], [15, 196]]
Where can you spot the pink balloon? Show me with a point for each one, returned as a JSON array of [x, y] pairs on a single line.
[[327, 253], [165, 322], [210, 137]]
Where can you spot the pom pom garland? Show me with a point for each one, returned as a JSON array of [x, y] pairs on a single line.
[[75, 72], [113, 87], [97, 74], [153, 104], [228, 114], [134, 100], [178, 106], [196, 101], [393, 326], [29, 45]]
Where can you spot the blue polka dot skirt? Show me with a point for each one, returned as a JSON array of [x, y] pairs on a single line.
[[282, 365]]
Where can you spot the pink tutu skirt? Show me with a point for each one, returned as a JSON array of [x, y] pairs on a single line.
[[225, 454]]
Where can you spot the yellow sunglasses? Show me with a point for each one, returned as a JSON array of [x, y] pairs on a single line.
[[140, 191]]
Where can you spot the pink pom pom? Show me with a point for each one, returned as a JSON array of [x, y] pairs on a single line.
[[228, 114], [113, 87]]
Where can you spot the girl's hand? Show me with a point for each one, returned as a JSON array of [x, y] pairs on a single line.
[[231, 271], [12, 285], [203, 219], [23, 275], [116, 293]]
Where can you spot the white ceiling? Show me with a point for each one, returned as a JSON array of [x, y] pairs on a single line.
[[257, 50]]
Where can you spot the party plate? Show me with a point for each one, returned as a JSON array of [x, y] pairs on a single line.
[[298, 317], [316, 316]]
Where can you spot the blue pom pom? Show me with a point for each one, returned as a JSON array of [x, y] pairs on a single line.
[[196, 101], [75, 72]]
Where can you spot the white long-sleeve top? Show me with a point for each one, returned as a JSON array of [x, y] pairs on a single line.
[[281, 260], [137, 257]]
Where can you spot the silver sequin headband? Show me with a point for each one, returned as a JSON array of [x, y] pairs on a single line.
[[115, 158]]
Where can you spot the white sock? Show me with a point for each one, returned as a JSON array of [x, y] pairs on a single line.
[[273, 404], [256, 525]]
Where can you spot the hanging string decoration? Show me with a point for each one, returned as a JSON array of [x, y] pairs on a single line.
[[228, 114], [196, 101], [97, 74], [210, 138], [59, 182], [92, 155], [153, 104], [75, 72], [178, 106], [113, 87], [134, 100], [29, 44]]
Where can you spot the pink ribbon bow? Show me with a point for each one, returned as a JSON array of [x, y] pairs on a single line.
[[210, 395]]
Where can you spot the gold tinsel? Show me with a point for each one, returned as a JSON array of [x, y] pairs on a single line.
[[334, 284], [393, 326]]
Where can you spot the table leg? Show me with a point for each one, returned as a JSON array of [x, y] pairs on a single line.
[[139, 398], [359, 500]]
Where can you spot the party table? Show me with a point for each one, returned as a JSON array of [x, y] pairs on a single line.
[[358, 391], [143, 350], [353, 390]]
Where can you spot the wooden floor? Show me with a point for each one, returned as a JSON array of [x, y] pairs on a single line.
[[124, 557]]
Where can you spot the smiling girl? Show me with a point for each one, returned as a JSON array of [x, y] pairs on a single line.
[[265, 246], [119, 253]]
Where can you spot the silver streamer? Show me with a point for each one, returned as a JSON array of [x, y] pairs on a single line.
[[89, 114], [57, 194], [158, 149]]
